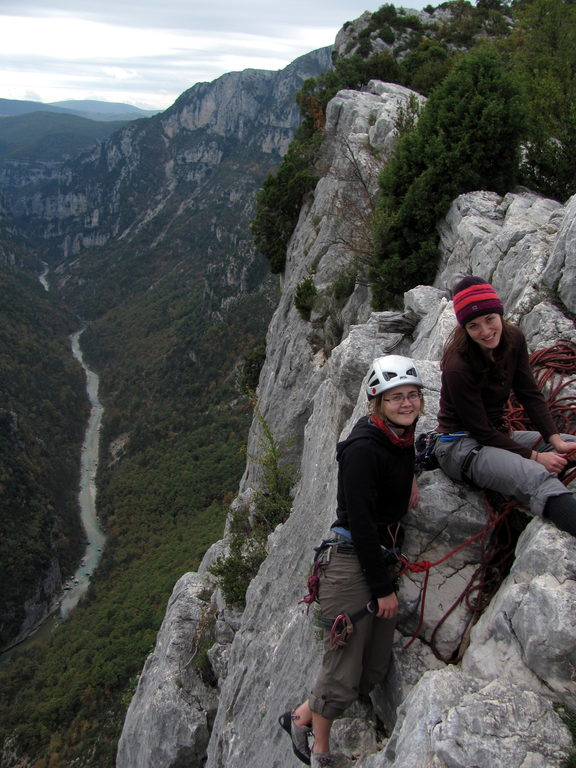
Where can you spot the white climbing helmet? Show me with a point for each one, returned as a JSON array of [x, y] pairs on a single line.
[[391, 371]]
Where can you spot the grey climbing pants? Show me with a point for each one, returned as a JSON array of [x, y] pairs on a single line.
[[355, 669], [503, 471]]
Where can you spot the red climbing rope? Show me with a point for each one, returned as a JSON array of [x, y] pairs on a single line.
[[554, 369]]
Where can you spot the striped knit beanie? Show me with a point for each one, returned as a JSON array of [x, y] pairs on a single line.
[[474, 297]]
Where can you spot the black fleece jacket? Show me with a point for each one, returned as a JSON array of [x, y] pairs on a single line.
[[374, 485]]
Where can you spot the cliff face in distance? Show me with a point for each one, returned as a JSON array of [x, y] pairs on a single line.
[[517, 663]]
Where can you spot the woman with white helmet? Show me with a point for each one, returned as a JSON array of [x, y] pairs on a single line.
[[356, 591]]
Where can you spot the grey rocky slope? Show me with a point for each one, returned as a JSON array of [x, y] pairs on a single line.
[[517, 664]]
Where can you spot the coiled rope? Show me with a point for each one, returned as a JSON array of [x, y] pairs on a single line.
[[554, 370]]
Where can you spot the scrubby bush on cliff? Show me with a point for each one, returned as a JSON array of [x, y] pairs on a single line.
[[250, 526], [305, 297], [418, 62], [279, 200], [467, 138]]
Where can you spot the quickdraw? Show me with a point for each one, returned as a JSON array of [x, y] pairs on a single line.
[[340, 632], [343, 625]]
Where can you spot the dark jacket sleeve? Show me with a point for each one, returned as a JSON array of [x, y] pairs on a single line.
[[529, 396], [361, 477]]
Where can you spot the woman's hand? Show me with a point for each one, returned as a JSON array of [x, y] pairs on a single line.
[[560, 445], [387, 606], [414, 494], [551, 461]]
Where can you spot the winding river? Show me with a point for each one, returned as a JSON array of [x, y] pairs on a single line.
[[78, 584]]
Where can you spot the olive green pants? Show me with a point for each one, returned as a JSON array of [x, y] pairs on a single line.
[[355, 669]]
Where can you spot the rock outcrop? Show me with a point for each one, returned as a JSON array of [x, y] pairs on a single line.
[[513, 667]]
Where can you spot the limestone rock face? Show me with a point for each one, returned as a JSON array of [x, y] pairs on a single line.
[[560, 272], [333, 228], [168, 721], [513, 665]]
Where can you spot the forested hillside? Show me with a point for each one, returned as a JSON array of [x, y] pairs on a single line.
[[43, 408], [49, 136]]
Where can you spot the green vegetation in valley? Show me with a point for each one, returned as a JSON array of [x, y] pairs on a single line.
[[65, 700], [170, 348], [162, 506], [43, 412]]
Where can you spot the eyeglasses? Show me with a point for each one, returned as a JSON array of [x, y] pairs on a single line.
[[398, 398]]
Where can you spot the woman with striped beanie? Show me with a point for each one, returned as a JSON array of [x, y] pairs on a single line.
[[485, 359]]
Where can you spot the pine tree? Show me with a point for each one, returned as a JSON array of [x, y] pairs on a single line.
[[467, 138]]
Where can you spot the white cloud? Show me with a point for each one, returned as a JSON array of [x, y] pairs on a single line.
[[147, 53]]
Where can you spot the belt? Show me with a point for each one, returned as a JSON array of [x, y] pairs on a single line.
[[451, 437], [346, 548]]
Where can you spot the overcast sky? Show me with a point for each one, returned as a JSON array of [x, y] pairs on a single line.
[[147, 52]]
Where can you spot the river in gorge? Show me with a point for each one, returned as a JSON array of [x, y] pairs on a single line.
[[77, 585]]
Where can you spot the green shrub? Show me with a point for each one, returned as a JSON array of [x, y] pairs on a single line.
[[387, 35], [235, 571], [305, 297], [344, 285], [249, 370], [426, 66], [279, 200], [386, 14], [542, 55], [249, 531]]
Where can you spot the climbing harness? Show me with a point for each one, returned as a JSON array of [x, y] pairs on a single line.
[[341, 626], [323, 552]]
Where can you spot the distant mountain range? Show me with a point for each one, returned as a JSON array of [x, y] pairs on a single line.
[[92, 110], [31, 131]]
